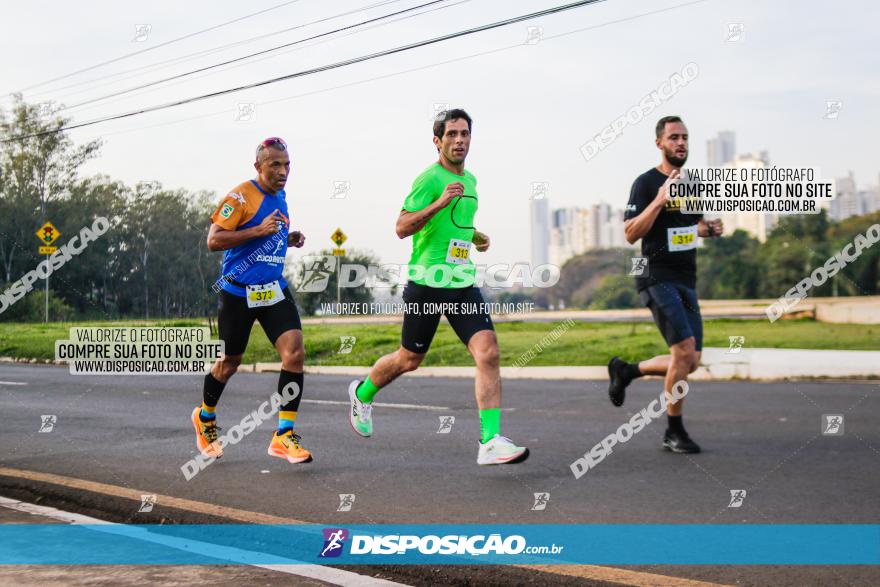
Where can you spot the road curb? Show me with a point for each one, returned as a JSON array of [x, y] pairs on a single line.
[[717, 364]]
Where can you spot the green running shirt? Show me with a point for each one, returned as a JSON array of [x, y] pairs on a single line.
[[443, 248]]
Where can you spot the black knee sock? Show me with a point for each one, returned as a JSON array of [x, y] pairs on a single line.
[[674, 424], [631, 371], [211, 390], [284, 379]]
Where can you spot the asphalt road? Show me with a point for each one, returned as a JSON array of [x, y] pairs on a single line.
[[765, 438]]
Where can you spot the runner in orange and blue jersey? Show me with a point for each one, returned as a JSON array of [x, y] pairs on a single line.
[[252, 225]]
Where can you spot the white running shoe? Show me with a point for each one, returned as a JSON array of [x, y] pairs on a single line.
[[500, 450], [360, 415]]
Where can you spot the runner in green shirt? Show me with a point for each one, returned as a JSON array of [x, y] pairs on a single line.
[[444, 243], [439, 215]]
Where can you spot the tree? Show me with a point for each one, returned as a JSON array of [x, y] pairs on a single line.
[[307, 271], [862, 275], [795, 247], [616, 290], [166, 270], [87, 283], [581, 275], [35, 172], [729, 268]]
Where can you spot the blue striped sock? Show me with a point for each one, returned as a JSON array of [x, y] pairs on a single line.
[[286, 421]]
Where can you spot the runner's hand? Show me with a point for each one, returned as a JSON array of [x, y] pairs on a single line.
[[296, 239], [452, 191], [663, 192], [269, 225], [284, 218], [481, 241]]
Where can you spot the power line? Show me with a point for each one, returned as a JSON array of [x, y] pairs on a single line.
[[256, 54], [226, 46], [337, 65], [361, 30], [544, 39], [165, 44]]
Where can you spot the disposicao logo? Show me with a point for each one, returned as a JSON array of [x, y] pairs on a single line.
[[334, 540]]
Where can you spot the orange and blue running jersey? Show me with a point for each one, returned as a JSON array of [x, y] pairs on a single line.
[[259, 260]]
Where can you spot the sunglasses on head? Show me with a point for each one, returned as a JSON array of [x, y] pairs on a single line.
[[274, 142]]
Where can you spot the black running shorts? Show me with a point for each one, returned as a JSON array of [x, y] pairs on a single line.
[[676, 312], [464, 308], [236, 319]]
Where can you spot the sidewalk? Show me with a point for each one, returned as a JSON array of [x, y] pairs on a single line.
[[716, 364]]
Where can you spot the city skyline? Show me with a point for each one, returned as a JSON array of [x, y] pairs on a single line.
[[560, 233]]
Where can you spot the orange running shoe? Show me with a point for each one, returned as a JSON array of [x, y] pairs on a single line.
[[206, 436], [287, 446]]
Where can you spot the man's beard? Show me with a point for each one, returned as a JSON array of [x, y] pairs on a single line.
[[674, 160], [453, 158]]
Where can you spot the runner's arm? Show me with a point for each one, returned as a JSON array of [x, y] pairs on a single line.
[[409, 223], [638, 226], [220, 239], [481, 240]]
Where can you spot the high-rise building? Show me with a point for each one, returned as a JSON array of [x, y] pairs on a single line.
[[561, 228], [846, 185], [849, 201], [602, 213], [872, 200], [540, 231], [594, 228], [616, 235], [568, 233], [577, 230], [721, 150], [758, 225]]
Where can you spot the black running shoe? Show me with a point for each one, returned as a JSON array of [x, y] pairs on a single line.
[[680, 442], [617, 385]]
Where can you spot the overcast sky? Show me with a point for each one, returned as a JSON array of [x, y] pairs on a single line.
[[533, 105]]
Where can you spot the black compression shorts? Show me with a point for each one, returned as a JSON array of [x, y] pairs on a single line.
[[464, 308], [236, 319]]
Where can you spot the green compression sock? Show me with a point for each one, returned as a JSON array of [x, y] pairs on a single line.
[[367, 391], [490, 424]]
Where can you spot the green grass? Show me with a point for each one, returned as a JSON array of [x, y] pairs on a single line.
[[582, 344]]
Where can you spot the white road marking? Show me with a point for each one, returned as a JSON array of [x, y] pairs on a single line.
[[318, 572], [331, 402], [13, 383]]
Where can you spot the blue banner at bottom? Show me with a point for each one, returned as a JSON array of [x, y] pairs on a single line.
[[437, 544]]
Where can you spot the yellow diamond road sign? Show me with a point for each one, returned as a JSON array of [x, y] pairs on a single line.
[[47, 234], [338, 237]]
